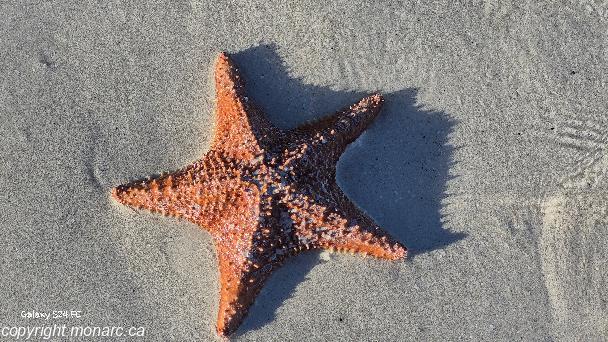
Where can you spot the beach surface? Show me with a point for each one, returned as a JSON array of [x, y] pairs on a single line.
[[489, 161]]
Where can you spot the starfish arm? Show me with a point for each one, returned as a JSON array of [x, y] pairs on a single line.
[[337, 224], [242, 130], [208, 193], [242, 276], [338, 130], [160, 194]]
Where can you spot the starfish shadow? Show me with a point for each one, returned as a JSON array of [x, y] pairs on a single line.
[[396, 171], [398, 174]]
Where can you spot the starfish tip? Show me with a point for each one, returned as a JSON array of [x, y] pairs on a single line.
[[223, 60], [377, 97], [375, 100], [119, 197], [397, 251], [223, 331], [401, 253], [114, 193]]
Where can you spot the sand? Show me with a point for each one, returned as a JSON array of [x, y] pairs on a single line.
[[489, 161]]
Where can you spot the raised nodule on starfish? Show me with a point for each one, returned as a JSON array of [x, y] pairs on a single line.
[[264, 194]]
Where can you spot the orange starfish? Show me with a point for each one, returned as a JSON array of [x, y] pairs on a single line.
[[264, 194]]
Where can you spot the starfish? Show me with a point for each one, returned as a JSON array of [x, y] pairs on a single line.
[[265, 194]]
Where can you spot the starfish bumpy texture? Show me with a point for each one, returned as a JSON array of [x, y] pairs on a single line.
[[265, 194]]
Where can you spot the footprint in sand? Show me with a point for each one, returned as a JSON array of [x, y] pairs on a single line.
[[574, 239]]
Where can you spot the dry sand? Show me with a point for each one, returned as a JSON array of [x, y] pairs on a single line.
[[489, 161]]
